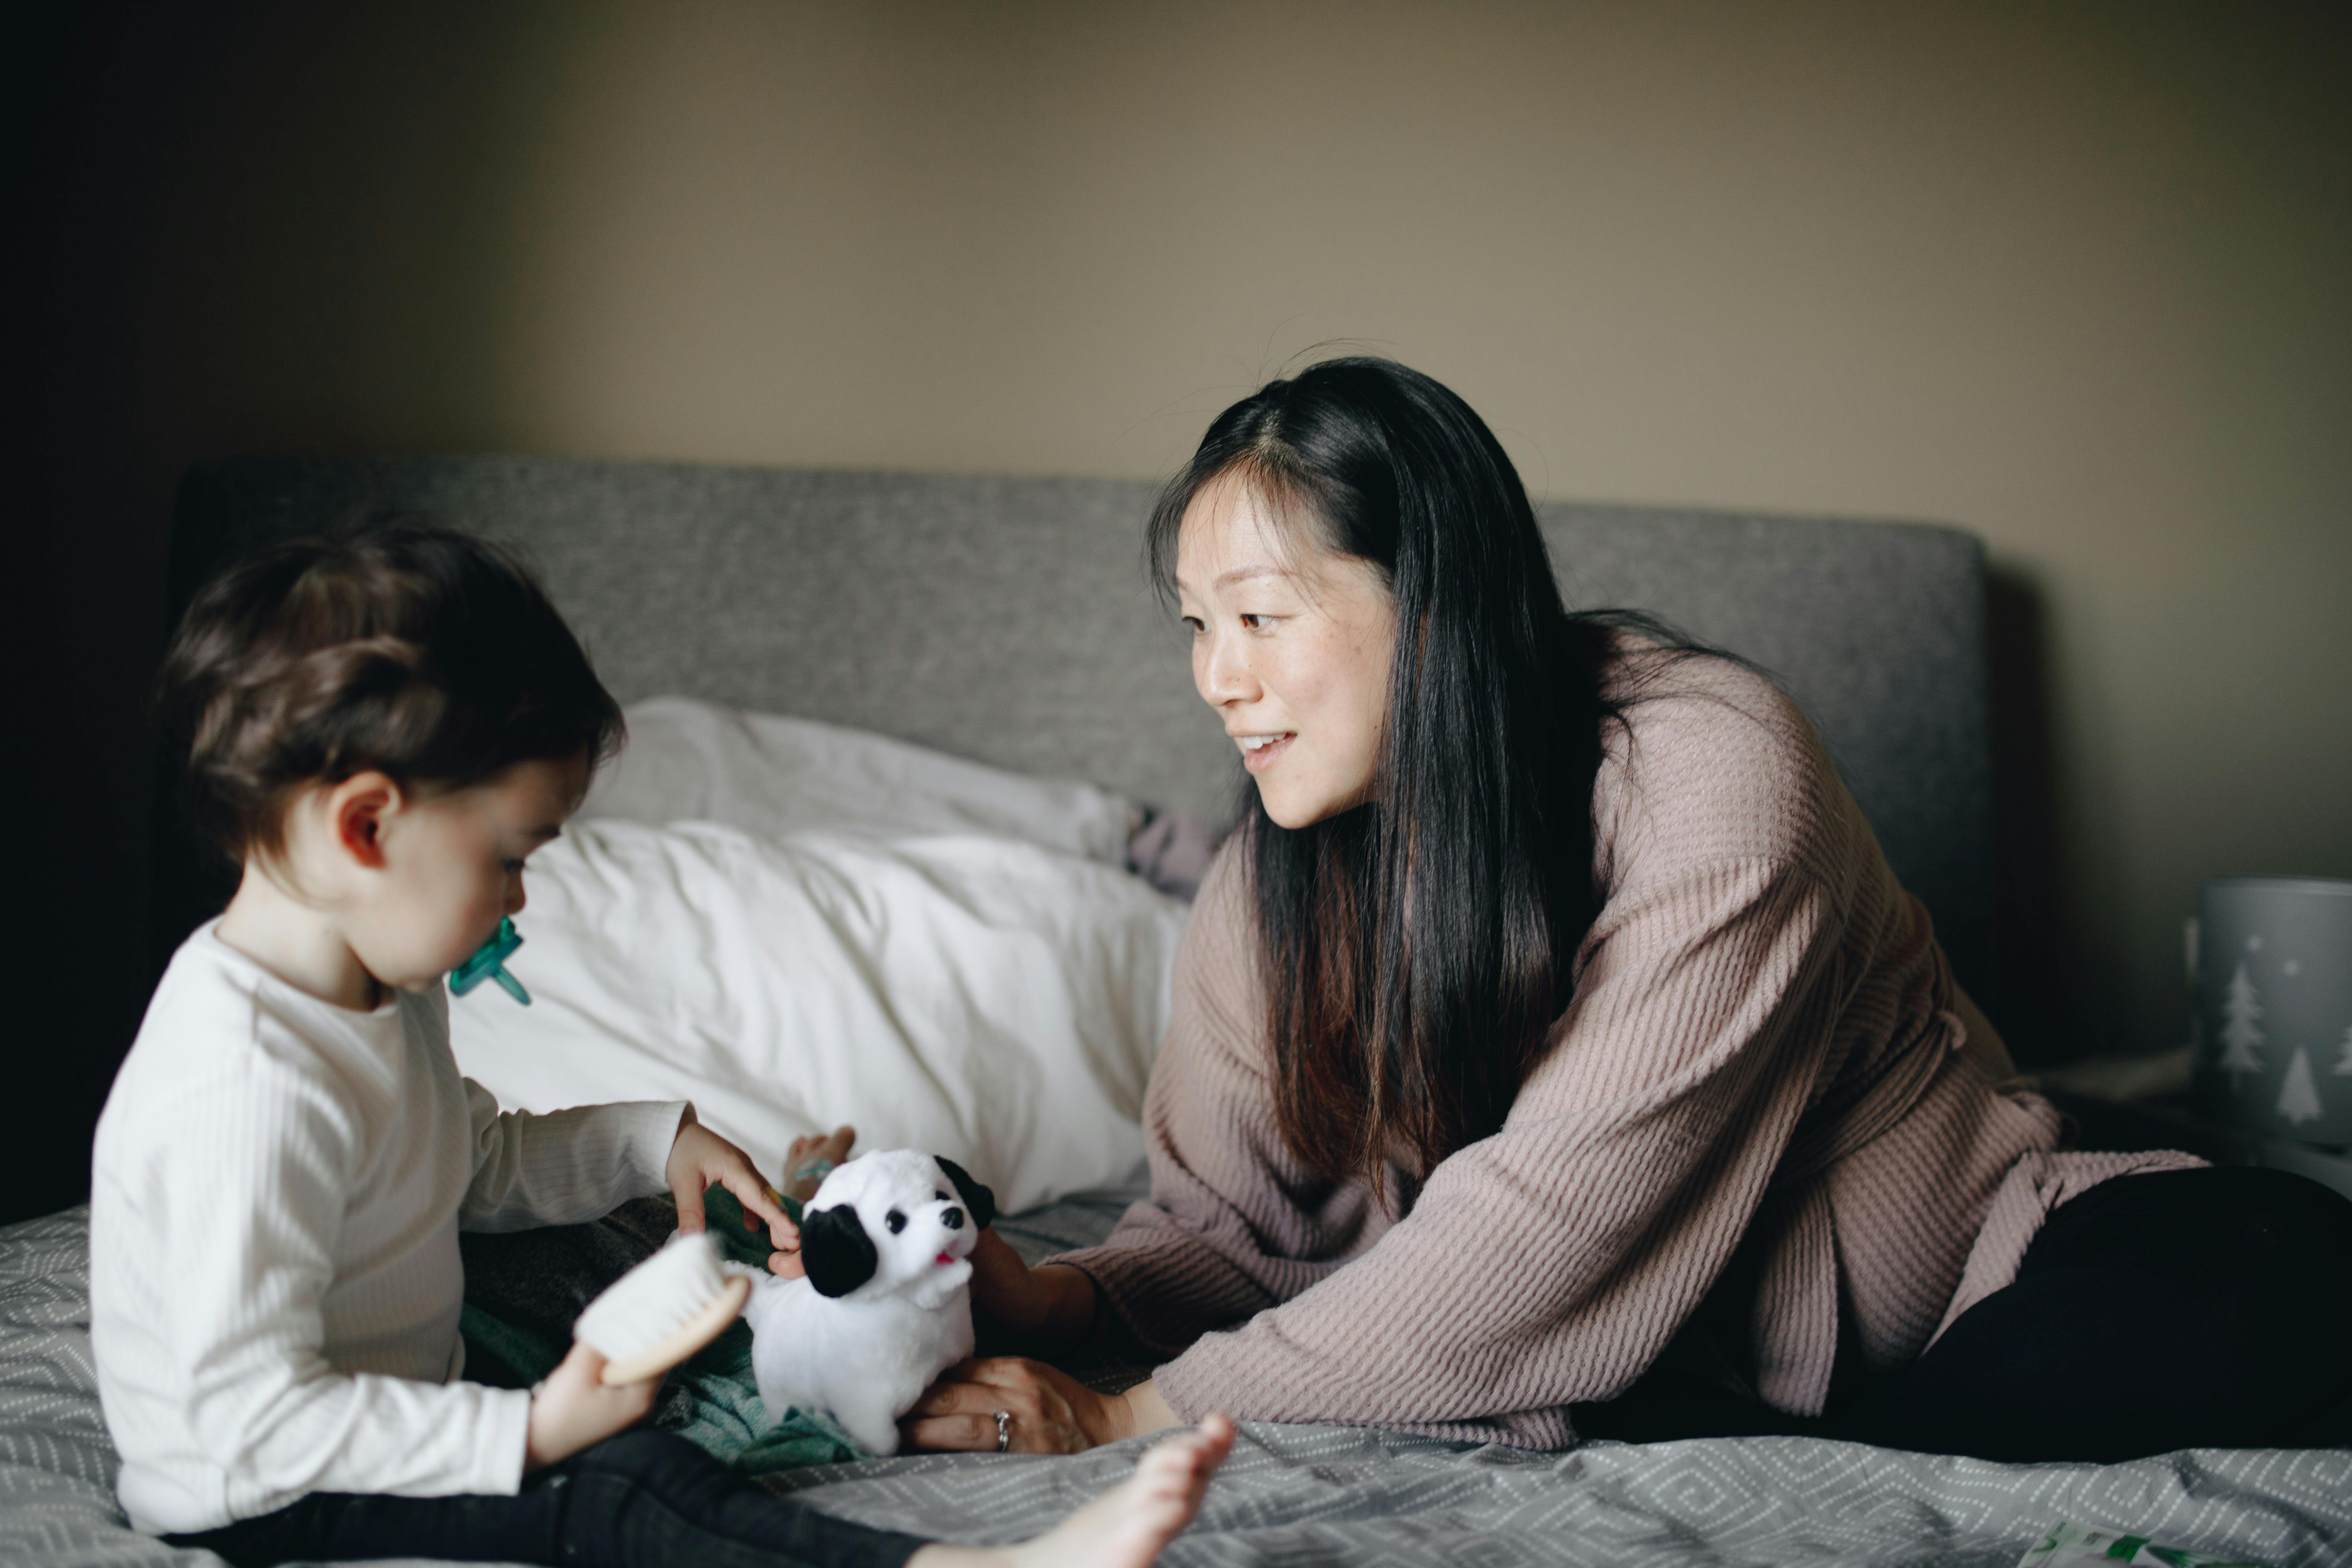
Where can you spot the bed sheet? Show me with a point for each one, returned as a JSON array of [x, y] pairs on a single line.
[[1297, 1495]]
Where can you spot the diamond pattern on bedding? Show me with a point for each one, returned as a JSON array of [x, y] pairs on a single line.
[[1302, 1496], [57, 1463], [1313, 1495]]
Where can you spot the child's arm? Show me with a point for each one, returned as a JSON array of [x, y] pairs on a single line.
[[577, 1164], [566, 1166]]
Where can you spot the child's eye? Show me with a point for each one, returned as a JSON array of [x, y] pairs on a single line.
[[513, 867]]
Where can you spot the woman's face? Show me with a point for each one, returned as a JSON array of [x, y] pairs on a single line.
[[1291, 646]]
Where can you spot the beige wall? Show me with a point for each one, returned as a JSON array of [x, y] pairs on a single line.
[[2074, 276]]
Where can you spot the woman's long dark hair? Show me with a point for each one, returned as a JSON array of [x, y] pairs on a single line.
[[1417, 949]]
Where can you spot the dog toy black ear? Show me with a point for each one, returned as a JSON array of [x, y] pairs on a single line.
[[835, 1250], [978, 1201]]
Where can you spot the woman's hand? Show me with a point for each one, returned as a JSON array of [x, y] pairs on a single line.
[[1056, 1301], [699, 1159], [1050, 1412], [574, 1408]]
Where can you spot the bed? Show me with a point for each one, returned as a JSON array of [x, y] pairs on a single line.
[[1006, 621]]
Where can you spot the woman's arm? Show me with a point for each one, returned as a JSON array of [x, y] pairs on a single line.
[[1550, 1263], [1053, 1302], [1543, 1265]]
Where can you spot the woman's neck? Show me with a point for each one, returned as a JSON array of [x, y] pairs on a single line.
[[300, 945]]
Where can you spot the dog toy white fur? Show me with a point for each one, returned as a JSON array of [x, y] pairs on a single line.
[[663, 1311], [886, 1305]]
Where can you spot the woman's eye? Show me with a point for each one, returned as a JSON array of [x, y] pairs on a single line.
[[513, 868], [1192, 624], [1256, 623]]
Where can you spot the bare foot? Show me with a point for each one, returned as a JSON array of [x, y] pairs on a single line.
[[831, 1148], [1124, 1527]]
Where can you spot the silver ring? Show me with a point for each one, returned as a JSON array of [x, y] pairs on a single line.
[[818, 1170], [1004, 1430]]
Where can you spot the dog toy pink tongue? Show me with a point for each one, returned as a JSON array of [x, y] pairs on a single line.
[[488, 963]]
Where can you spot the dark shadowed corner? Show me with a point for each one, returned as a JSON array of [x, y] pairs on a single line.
[[2035, 954], [216, 212]]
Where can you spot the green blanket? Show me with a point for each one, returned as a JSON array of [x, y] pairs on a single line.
[[721, 1412]]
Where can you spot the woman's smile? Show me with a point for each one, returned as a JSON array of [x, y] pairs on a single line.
[[1260, 752]]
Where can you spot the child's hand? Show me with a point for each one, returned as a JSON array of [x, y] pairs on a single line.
[[700, 1157], [806, 1165], [573, 1410]]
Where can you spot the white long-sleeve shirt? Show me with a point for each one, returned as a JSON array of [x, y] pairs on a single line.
[[275, 1283]]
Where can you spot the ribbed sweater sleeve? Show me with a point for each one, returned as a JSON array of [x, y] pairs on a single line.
[[1549, 1264], [1545, 1265], [566, 1166]]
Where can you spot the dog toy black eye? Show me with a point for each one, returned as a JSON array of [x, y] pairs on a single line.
[[941, 1196], [896, 1221]]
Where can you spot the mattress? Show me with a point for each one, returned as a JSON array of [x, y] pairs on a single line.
[[1299, 1496]]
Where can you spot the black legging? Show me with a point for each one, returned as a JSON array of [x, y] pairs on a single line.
[[2175, 1309], [632, 1501]]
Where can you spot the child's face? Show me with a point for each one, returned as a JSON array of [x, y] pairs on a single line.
[[452, 868]]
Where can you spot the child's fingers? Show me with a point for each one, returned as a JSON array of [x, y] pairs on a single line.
[[689, 1193], [786, 1235], [753, 1193]]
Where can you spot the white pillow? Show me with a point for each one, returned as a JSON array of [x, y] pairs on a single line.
[[692, 760], [993, 1001]]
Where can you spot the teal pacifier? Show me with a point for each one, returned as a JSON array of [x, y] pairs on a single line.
[[488, 963]]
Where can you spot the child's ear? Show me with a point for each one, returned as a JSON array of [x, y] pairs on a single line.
[[357, 809], [978, 1201], [835, 1250]]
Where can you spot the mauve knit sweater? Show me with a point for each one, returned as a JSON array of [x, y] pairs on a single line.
[[1764, 1043]]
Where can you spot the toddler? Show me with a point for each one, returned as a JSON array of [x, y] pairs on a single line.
[[381, 729]]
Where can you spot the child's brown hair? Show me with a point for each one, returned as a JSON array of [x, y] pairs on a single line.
[[431, 656]]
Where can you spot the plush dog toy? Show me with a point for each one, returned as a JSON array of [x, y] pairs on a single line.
[[886, 1305]]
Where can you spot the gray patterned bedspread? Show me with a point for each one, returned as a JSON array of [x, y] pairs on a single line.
[[1308, 1497]]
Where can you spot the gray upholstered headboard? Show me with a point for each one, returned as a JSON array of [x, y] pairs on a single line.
[[1008, 619]]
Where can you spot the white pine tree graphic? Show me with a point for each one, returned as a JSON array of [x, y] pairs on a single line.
[[2239, 1036], [2298, 1097], [2344, 1062]]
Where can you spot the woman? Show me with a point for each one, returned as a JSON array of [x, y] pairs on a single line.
[[1554, 1054]]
